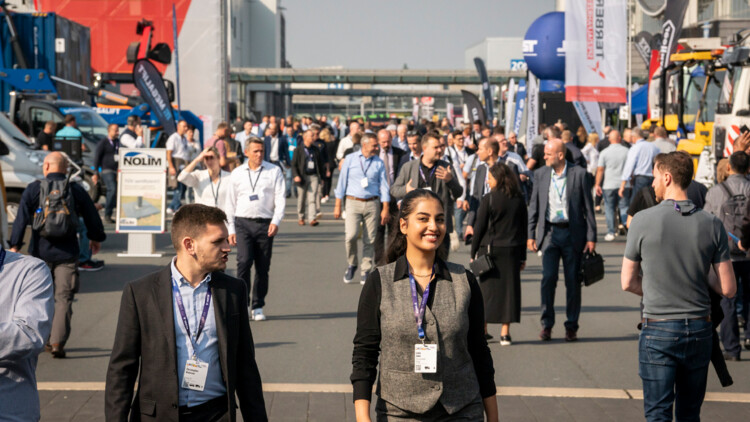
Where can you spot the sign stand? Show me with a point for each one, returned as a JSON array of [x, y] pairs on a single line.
[[142, 197]]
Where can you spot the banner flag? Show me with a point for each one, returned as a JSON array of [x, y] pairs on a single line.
[[674, 14], [532, 113], [520, 104], [510, 99], [595, 60], [642, 43], [149, 82], [476, 112], [486, 90], [591, 117]]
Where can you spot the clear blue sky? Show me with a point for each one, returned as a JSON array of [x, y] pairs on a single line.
[[385, 34]]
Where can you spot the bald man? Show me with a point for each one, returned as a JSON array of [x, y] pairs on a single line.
[[561, 225], [60, 253]]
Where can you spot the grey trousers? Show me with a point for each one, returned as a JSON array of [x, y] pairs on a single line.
[[306, 195], [367, 214], [386, 412], [66, 283]]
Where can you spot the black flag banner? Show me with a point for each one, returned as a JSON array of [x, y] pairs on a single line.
[[486, 90], [642, 43], [149, 82], [674, 14], [476, 112]]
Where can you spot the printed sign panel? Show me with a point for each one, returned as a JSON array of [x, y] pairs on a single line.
[[141, 190]]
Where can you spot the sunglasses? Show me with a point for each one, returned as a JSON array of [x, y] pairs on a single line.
[[209, 157]]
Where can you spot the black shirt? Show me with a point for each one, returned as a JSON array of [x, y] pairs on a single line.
[[501, 221], [537, 154], [427, 177], [367, 339], [45, 139], [310, 158], [519, 149]]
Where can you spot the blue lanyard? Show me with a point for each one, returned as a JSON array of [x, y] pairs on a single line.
[[183, 315], [419, 309], [364, 170], [560, 192]]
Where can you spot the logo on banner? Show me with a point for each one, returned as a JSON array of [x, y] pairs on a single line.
[[668, 31], [139, 159], [598, 71], [529, 47]]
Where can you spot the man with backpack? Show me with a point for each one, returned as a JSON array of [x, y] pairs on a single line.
[[53, 206], [728, 201]]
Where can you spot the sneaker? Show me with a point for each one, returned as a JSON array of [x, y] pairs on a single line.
[[170, 211], [258, 315], [609, 237], [91, 265], [747, 343], [546, 334], [349, 274], [505, 341], [571, 335], [323, 200], [364, 278]]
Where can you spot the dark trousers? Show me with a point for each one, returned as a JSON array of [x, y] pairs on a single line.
[[561, 246], [380, 244], [730, 330], [66, 283], [254, 247], [110, 181], [214, 410], [640, 182]]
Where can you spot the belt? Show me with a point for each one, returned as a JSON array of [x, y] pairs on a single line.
[[217, 403], [362, 200], [257, 220], [703, 318], [643, 175], [564, 225]]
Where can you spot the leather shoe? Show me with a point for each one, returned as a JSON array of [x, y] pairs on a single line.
[[732, 358], [314, 223], [57, 351], [301, 222], [546, 334], [571, 335]]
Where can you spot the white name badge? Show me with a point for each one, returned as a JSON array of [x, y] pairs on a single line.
[[311, 165], [425, 358], [195, 375], [364, 183], [427, 188], [117, 158]]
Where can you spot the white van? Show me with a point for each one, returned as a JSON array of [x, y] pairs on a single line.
[[20, 163]]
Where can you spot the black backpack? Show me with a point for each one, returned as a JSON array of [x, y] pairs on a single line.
[[731, 214], [55, 217]]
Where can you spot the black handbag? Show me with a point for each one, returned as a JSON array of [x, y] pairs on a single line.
[[592, 268], [481, 265]]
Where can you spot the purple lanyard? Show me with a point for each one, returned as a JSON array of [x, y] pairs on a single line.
[[419, 309], [432, 173], [183, 315]]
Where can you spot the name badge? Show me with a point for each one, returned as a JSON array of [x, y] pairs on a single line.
[[117, 158], [254, 197], [195, 375], [311, 165], [364, 183], [425, 358]]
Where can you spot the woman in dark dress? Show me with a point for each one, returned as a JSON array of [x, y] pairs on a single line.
[[500, 232]]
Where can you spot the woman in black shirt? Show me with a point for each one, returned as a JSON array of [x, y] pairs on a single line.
[[420, 324], [500, 232]]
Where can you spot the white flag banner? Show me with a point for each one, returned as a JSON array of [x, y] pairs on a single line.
[[596, 50], [532, 114], [591, 117], [510, 106]]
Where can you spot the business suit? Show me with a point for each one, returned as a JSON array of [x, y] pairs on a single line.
[[379, 244], [282, 149], [145, 342], [556, 241], [307, 190]]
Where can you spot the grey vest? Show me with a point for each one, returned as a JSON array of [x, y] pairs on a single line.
[[455, 384]]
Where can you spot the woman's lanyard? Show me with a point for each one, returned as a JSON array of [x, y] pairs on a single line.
[[253, 185], [218, 187], [419, 309]]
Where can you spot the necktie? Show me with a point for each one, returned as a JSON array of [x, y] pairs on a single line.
[[387, 167]]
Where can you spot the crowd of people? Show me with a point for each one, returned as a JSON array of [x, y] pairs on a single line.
[[413, 192]]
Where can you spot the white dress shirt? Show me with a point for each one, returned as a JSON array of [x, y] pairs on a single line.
[[242, 138], [273, 153], [213, 194], [269, 187], [557, 207], [344, 144], [178, 144]]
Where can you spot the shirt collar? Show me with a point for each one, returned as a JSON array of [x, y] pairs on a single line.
[[176, 275], [401, 271], [564, 172]]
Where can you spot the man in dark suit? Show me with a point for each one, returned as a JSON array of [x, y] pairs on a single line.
[[276, 147], [391, 156], [308, 169], [184, 333], [430, 172], [561, 224]]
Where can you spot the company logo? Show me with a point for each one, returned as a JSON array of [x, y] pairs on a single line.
[[529, 47], [108, 110], [598, 71], [666, 42], [140, 159], [561, 50]]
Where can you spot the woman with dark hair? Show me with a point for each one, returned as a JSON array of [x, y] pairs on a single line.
[[500, 232], [422, 319], [331, 145]]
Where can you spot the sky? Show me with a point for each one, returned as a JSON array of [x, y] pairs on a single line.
[[385, 34]]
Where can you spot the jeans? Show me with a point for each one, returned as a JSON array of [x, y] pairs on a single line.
[[561, 245], [288, 179], [730, 329], [84, 254], [177, 195], [612, 202], [110, 181], [459, 214], [640, 182], [673, 365]]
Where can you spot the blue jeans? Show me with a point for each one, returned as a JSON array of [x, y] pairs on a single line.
[[84, 253], [673, 364], [177, 195], [612, 202], [459, 214], [288, 180], [640, 182], [561, 245], [730, 329], [110, 181]]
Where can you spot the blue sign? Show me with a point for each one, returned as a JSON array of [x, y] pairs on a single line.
[[543, 47], [520, 104], [517, 64]]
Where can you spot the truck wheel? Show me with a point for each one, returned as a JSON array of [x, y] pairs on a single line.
[[14, 200]]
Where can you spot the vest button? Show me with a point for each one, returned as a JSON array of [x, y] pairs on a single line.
[[437, 387]]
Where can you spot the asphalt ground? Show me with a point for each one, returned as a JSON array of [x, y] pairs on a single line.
[[304, 348]]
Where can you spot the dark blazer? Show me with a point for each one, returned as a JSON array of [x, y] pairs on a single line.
[[283, 148], [580, 207], [398, 155], [104, 155], [500, 221], [145, 344], [405, 159], [299, 161]]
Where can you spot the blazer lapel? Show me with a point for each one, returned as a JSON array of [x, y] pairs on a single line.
[[544, 191], [163, 295], [221, 315]]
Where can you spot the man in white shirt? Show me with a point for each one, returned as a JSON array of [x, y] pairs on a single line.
[[347, 143], [246, 133], [255, 206], [400, 139], [132, 136], [178, 155]]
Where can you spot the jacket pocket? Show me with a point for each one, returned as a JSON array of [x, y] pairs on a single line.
[[148, 407]]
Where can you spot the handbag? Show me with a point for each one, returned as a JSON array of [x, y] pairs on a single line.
[[592, 268], [481, 265]]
